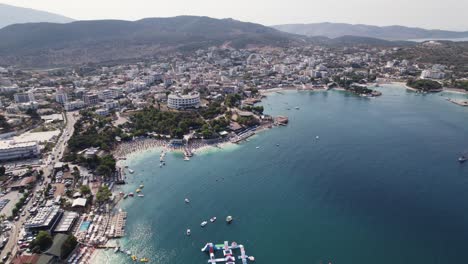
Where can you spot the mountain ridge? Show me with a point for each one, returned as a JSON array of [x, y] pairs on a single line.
[[10, 15], [394, 32], [100, 40]]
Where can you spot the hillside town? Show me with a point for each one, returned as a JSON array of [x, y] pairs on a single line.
[[63, 131]]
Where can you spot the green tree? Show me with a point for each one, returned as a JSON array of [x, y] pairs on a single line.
[[85, 190], [43, 241], [68, 246], [103, 194], [33, 114]]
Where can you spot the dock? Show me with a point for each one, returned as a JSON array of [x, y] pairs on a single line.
[[117, 225], [242, 136], [458, 102]]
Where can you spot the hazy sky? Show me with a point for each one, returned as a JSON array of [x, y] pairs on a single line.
[[446, 14]]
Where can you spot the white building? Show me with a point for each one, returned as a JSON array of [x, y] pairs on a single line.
[[111, 104], [91, 99], [10, 150], [74, 105], [24, 97], [179, 101], [61, 97], [432, 74], [102, 112]]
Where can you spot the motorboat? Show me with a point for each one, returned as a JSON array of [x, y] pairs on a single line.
[[117, 249], [134, 258], [229, 219], [257, 147], [125, 196], [131, 171], [188, 232], [297, 108], [462, 158], [128, 252], [138, 190], [131, 194], [141, 195], [186, 158], [213, 219], [144, 260], [203, 224], [187, 200]]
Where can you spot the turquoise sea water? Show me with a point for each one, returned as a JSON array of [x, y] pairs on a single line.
[[381, 185]]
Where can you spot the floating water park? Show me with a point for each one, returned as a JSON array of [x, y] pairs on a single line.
[[228, 255]]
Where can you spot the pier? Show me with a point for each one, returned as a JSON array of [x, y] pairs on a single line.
[[458, 102], [117, 225], [242, 136]]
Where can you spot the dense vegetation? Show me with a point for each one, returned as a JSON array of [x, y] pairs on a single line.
[[68, 246], [175, 124], [93, 131], [447, 53], [19, 205], [461, 85], [232, 100], [103, 194], [213, 110], [258, 109], [424, 85], [42, 242], [360, 89]]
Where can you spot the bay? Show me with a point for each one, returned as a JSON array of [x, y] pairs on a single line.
[[381, 185]]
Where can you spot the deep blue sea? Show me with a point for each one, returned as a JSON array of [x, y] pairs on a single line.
[[381, 185]]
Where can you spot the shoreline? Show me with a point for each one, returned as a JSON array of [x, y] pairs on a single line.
[[146, 145]]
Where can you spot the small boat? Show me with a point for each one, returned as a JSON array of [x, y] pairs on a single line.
[[277, 145], [128, 252], [297, 108], [462, 158], [187, 200], [131, 171], [138, 190], [125, 196], [131, 194], [251, 258], [213, 219], [188, 232], [229, 219], [203, 224], [142, 186], [186, 158], [134, 258], [144, 260], [141, 195], [317, 137], [160, 165], [116, 249], [257, 147]]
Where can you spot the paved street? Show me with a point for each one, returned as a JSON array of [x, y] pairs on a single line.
[[57, 152]]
